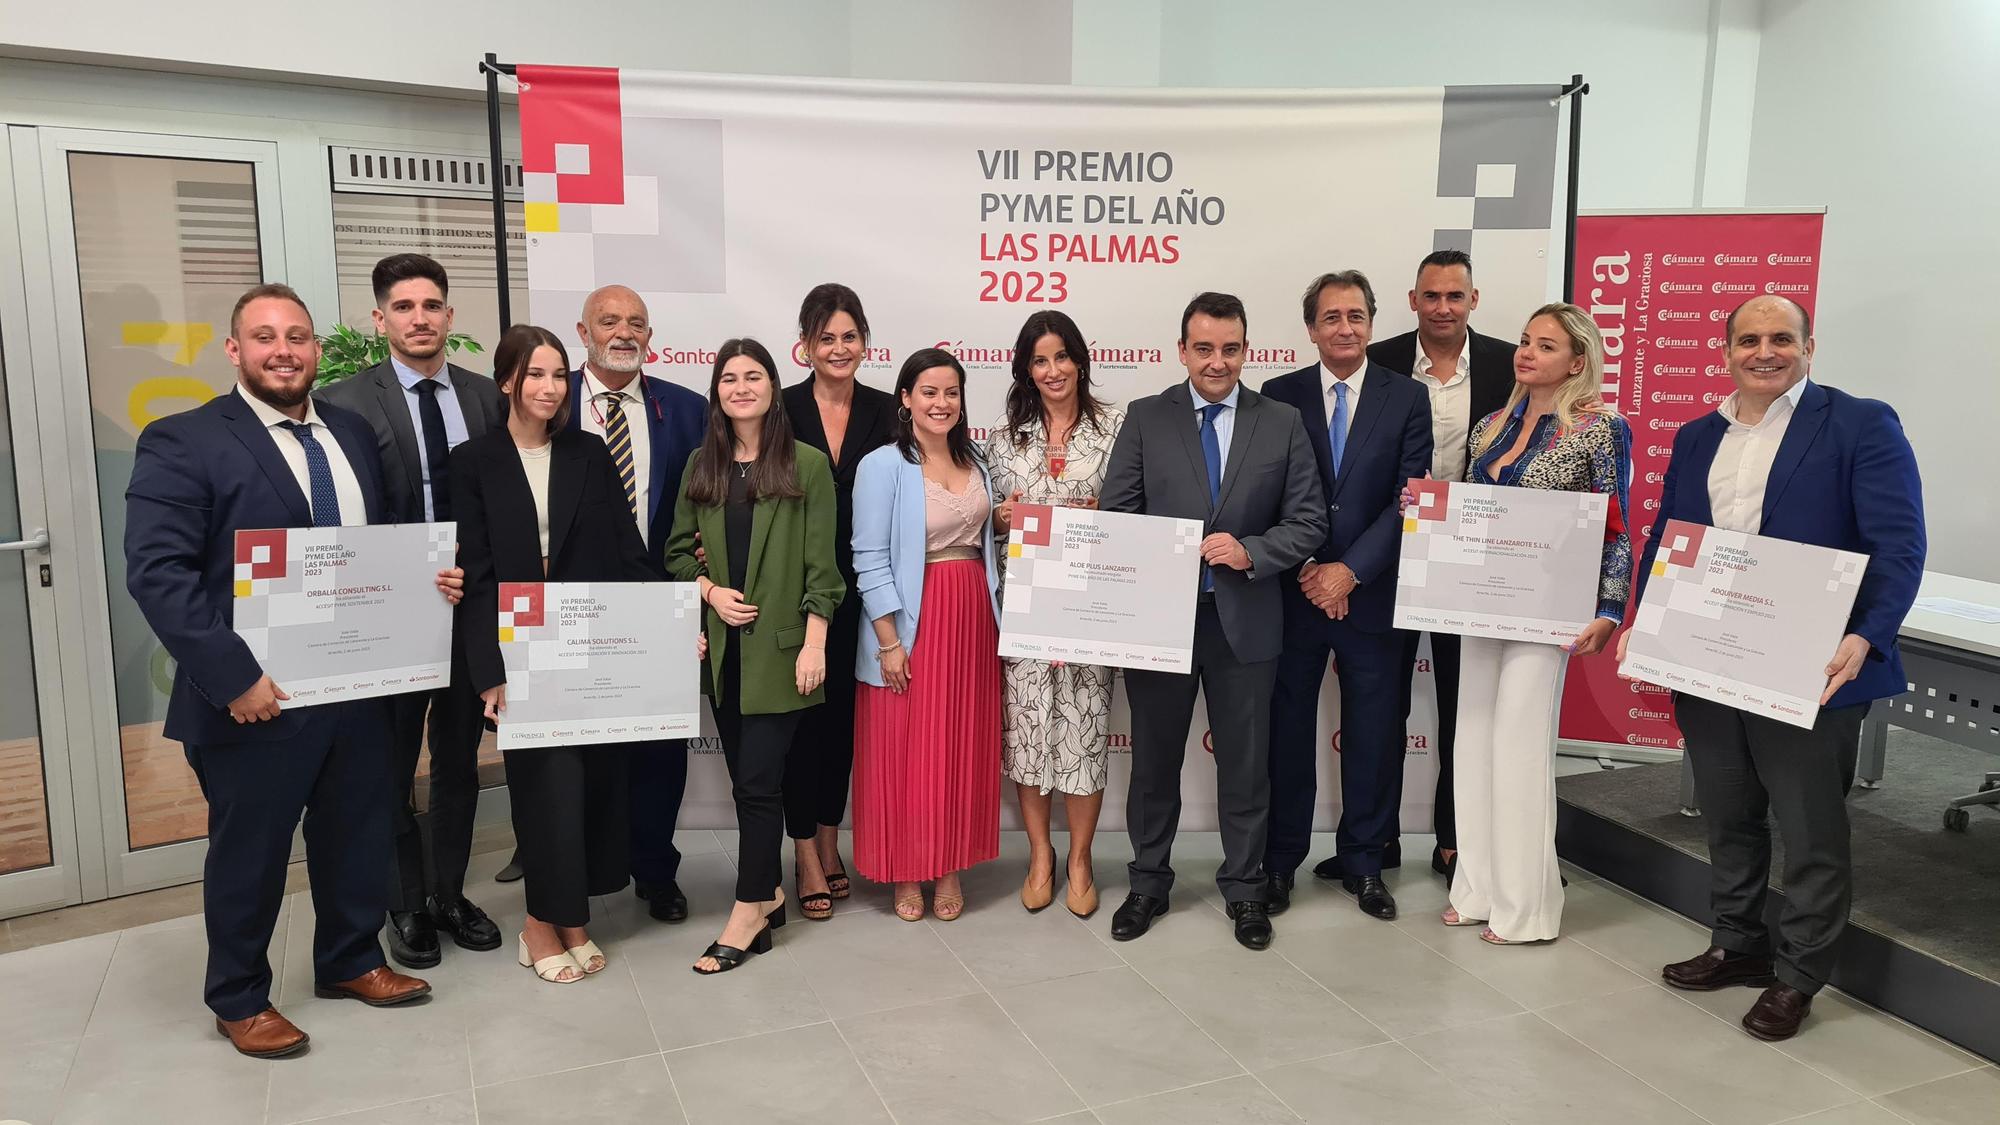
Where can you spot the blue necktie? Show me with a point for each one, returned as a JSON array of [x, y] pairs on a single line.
[[1336, 431], [319, 474], [1211, 455], [437, 447]]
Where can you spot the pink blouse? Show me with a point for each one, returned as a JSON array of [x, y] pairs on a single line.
[[954, 519]]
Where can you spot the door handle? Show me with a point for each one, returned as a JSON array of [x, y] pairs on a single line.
[[39, 541]]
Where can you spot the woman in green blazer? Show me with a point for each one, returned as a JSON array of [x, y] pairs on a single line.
[[760, 506]]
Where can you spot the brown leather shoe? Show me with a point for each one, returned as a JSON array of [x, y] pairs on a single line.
[[1777, 1014], [1718, 968], [266, 1035], [379, 988]]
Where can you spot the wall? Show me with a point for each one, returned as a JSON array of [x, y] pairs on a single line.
[[1885, 114]]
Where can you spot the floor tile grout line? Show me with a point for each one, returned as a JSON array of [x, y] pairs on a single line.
[[62, 1092], [855, 1057], [653, 1029], [1621, 1067]]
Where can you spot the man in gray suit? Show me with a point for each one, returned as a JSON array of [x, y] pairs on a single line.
[[420, 407], [1212, 450]]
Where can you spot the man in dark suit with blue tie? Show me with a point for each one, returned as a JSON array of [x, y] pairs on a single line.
[[264, 456], [651, 427], [1371, 432], [1786, 457]]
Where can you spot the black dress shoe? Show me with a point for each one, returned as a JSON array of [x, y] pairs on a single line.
[[467, 924], [665, 902], [413, 939], [1373, 895], [1438, 862], [1719, 968], [1778, 1013], [1329, 869], [1278, 895], [1392, 855], [1135, 916], [1253, 924]]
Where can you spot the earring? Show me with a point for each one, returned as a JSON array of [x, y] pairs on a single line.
[[903, 413]]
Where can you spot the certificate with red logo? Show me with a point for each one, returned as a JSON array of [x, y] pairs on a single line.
[[1742, 619], [334, 613], [599, 662], [1109, 588], [1515, 564]]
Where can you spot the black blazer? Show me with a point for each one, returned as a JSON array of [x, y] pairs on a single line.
[[592, 536], [1491, 372], [377, 395], [871, 424]]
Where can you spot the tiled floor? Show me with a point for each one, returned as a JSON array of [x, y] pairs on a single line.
[[1000, 1016]]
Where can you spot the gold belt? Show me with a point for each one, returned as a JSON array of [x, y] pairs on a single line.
[[951, 554]]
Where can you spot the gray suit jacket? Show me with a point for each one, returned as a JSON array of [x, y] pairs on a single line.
[[1271, 499], [376, 395]]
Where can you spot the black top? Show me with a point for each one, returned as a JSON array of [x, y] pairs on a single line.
[[871, 424], [736, 520]]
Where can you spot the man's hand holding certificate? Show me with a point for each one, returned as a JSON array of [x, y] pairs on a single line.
[[595, 662], [1743, 620], [1107, 588], [1516, 564]]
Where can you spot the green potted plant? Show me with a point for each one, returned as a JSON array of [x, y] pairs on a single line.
[[344, 351]]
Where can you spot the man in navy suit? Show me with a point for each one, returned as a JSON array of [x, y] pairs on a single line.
[[651, 427], [1371, 432], [264, 456], [1786, 457]]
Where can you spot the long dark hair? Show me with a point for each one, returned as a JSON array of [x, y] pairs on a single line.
[[1024, 398], [511, 356], [775, 473], [821, 302], [959, 439]]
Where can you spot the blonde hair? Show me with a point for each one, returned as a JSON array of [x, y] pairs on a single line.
[[1582, 394]]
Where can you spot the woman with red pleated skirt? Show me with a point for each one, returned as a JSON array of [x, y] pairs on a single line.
[[927, 712]]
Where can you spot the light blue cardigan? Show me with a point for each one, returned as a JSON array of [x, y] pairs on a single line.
[[889, 551]]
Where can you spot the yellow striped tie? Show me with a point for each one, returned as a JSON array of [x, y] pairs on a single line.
[[619, 438]]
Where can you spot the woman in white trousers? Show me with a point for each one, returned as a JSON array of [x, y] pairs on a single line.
[[1554, 433]]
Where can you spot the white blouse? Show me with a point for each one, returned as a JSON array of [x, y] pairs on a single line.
[[535, 462]]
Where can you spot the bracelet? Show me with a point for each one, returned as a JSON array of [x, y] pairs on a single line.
[[814, 648], [884, 650]]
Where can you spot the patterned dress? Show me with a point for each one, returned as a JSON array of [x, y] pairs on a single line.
[[1054, 719]]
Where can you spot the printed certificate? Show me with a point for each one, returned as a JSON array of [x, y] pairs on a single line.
[[336, 613], [1516, 564], [1743, 619], [1109, 588], [592, 662]]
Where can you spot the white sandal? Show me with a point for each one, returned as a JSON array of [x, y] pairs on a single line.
[[584, 954], [551, 968]]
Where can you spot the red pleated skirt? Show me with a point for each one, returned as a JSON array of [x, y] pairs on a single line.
[[927, 762]]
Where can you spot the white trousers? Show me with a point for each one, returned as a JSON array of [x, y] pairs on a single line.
[[1504, 784]]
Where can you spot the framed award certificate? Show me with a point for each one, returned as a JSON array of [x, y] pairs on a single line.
[[1110, 588], [1515, 564], [592, 662]]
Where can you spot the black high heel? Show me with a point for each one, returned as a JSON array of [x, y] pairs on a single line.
[[728, 957]]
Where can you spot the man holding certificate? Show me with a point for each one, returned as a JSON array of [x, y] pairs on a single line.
[[1787, 458], [1212, 450]]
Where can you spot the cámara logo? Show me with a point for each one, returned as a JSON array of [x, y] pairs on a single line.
[[1673, 342], [1715, 369], [1683, 260], [1782, 287], [1663, 424], [1736, 259], [1659, 397], [1714, 397], [1642, 713], [1656, 478], [1673, 369], [1717, 342], [1677, 314], [1788, 259], [1732, 287], [1659, 450], [1679, 287], [1002, 357], [1718, 314], [1652, 504]]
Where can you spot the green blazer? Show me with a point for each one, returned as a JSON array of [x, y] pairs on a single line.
[[792, 573]]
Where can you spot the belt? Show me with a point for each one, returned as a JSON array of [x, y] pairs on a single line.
[[951, 554]]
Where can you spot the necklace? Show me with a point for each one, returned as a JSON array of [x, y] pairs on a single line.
[[743, 469]]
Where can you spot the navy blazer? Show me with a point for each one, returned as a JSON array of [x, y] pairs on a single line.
[[675, 420], [198, 478], [1845, 477], [1388, 442]]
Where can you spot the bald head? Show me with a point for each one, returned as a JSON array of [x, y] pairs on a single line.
[[1772, 302], [616, 331]]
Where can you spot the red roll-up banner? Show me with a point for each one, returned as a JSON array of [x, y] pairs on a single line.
[[1660, 288]]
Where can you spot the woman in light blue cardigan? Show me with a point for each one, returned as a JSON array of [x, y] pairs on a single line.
[[927, 709]]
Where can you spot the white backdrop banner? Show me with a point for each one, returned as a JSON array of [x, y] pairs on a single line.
[[955, 211]]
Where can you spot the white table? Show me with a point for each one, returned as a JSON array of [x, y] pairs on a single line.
[[1953, 666]]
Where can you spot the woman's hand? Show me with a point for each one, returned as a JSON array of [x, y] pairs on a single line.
[[896, 669], [1593, 636], [496, 702], [729, 605], [1003, 514], [809, 672]]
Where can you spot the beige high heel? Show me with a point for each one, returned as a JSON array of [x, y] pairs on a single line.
[[584, 955], [552, 967]]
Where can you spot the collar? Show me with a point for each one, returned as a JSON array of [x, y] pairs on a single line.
[[1463, 369], [1791, 397], [1229, 401], [1327, 380], [269, 416], [410, 376], [592, 388]]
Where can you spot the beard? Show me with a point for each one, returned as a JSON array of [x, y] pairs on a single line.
[[278, 393], [607, 360]]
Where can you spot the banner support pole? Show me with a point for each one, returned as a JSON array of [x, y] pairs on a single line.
[[1577, 87], [493, 68]]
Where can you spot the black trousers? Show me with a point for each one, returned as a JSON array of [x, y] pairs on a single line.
[[657, 774], [1374, 676], [756, 748], [1239, 709], [336, 773], [444, 829], [822, 762], [1444, 670], [1749, 771], [571, 837]]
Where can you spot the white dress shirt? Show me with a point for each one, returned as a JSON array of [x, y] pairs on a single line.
[[632, 400], [346, 486], [454, 419], [1451, 411], [1225, 422], [1743, 461], [1327, 380]]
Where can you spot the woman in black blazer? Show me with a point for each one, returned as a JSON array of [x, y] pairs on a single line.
[[836, 413], [540, 503]]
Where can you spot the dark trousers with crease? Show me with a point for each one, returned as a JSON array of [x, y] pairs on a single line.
[[335, 772], [571, 837], [656, 776], [756, 749], [1239, 709], [821, 767], [433, 846], [1444, 672], [1748, 772]]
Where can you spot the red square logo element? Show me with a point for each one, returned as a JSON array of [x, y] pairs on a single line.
[[571, 117], [273, 540], [1044, 517], [511, 594], [1431, 496], [1689, 551]]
